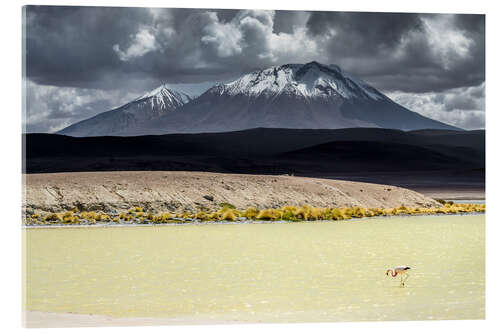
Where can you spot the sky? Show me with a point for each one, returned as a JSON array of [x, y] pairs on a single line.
[[81, 61]]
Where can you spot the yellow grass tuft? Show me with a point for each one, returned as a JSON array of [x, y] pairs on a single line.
[[201, 215], [316, 214], [214, 216], [303, 212], [228, 215], [292, 209], [164, 217], [336, 214], [53, 217], [68, 214], [251, 213], [266, 214]]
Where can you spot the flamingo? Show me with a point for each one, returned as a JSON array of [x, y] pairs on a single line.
[[402, 271]]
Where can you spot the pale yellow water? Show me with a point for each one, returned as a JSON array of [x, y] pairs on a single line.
[[292, 272]]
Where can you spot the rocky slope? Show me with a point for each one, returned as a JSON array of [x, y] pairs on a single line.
[[179, 191]]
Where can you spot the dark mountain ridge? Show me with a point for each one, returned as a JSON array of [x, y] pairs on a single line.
[[261, 150]]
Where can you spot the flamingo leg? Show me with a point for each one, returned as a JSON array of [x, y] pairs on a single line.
[[401, 283], [406, 278]]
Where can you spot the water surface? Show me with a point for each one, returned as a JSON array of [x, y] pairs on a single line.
[[286, 272]]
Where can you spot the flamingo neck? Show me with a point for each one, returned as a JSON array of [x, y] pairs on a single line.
[[393, 273]]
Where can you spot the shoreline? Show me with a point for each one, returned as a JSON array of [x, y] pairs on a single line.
[[180, 197], [123, 225]]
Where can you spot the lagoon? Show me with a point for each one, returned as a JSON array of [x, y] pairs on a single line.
[[268, 272]]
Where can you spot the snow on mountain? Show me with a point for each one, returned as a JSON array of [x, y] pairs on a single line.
[[311, 80], [164, 98], [133, 117], [309, 96]]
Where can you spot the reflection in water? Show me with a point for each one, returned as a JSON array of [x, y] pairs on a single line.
[[293, 272]]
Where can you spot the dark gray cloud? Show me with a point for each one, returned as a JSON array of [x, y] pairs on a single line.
[[407, 52], [363, 33], [135, 49], [462, 107], [93, 47], [72, 46]]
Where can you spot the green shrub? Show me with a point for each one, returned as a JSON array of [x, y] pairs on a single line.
[[288, 215]]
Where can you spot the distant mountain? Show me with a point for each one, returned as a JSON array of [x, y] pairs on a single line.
[[132, 117], [300, 96]]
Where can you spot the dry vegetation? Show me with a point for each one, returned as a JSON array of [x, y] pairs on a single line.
[[187, 197], [227, 212]]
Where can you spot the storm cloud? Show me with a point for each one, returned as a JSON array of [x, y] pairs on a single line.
[[463, 107], [111, 52]]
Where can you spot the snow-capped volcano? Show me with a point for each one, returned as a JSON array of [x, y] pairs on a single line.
[[133, 117], [309, 96], [311, 80], [312, 96]]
